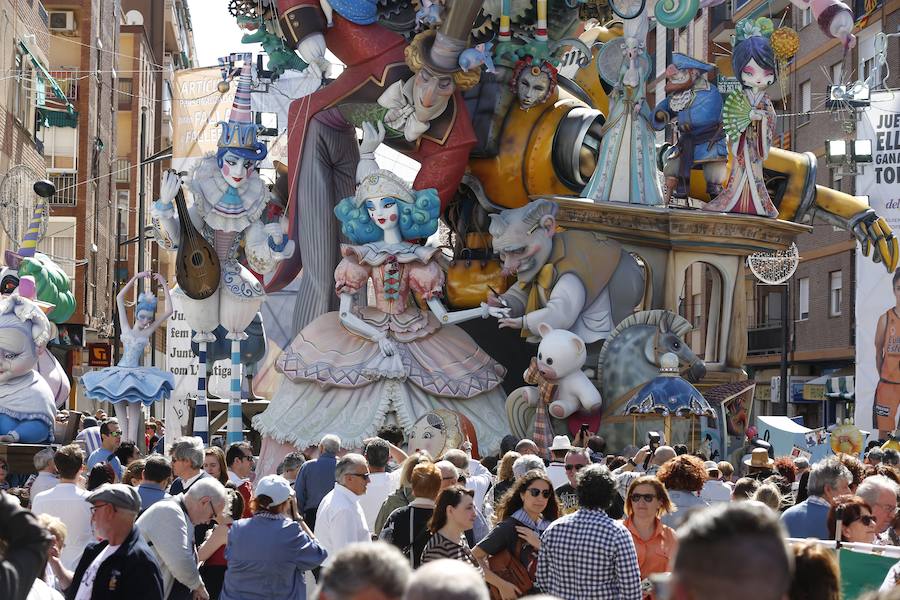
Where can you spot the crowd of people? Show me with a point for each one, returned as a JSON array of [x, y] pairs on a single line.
[[377, 523]]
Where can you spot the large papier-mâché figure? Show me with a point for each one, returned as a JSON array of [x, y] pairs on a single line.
[[129, 385], [571, 280], [412, 88], [626, 168], [749, 122], [697, 106], [230, 200], [348, 369], [27, 409]]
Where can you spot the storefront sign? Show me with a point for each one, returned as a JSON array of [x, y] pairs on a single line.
[[99, 355]]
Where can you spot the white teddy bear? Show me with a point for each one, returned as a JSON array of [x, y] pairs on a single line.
[[561, 355]]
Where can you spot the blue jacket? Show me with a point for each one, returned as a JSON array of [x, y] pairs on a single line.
[[314, 481], [267, 556], [807, 520], [150, 494]]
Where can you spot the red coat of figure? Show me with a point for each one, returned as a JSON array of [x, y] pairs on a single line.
[[323, 152]]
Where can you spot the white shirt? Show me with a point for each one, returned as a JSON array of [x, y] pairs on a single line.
[[67, 502], [43, 482], [40, 590], [381, 485], [233, 478], [716, 491], [479, 480], [340, 521], [557, 474], [86, 589]]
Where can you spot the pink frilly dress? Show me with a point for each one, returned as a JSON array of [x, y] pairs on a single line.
[[339, 382]]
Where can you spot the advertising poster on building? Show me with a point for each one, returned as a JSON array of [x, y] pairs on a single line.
[[877, 294], [197, 107]]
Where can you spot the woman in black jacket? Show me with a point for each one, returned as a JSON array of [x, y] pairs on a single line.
[[407, 527], [523, 514]]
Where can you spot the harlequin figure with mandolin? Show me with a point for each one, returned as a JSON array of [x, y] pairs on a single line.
[[225, 224]]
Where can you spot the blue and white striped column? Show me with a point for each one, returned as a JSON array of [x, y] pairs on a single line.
[[201, 409], [235, 422]]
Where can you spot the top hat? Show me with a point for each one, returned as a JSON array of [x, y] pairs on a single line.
[[441, 51]]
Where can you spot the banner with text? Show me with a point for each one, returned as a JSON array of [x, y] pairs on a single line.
[[877, 296]]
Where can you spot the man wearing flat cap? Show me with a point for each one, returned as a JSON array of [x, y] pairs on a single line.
[[120, 565]]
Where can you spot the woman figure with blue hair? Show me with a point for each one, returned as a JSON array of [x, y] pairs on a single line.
[[347, 370], [749, 119], [128, 385]]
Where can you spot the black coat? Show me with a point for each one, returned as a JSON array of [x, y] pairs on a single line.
[[129, 573], [27, 543]]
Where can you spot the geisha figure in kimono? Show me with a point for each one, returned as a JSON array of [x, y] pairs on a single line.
[[348, 370], [749, 119]]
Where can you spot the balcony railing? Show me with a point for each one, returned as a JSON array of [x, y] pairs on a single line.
[[45, 17], [766, 338], [66, 190], [68, 82]]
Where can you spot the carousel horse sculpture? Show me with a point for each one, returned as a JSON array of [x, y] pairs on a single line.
[[631, 354]]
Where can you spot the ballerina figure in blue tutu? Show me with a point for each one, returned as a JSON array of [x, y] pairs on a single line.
[[129, 383]]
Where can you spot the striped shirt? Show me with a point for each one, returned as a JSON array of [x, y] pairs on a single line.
[[442, 547], [91, 438]]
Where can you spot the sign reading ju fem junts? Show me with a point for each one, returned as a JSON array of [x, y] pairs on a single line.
[[877, 292]]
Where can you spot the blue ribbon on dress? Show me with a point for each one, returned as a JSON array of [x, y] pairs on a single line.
[[230, 202]]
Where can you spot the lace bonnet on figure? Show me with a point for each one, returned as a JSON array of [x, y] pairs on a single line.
[[383, 184], [21, 313]]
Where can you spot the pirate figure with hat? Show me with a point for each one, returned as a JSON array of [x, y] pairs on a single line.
[[229, 211], [411, 91], [697, 106]]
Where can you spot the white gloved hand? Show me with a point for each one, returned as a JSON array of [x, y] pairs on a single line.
[[171, 183], [373, 135]]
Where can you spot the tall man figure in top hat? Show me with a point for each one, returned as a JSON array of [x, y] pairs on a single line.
[[412, 91]]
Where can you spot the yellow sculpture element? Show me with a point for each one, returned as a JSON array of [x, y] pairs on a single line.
[[847, 438], [536, 159]]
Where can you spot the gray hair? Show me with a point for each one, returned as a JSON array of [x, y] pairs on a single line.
[[347, 463], [330, 443], [526, 463], [874, 486], [826, 472], [208, 486], [44, 459], [446, 579], [723, 550], [446, 465], [294, 460], [890, 457], [189, 449], [355, 568]]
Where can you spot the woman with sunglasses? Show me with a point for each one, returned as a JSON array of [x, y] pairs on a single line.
[[523, 514], [857, 522], [454, 514], [655, 543]]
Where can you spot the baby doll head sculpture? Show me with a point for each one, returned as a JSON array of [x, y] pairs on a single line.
[[440, 430], [24, 331]]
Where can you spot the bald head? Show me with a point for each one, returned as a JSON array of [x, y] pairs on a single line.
[[448, 580], [663, 455], [734, 551]]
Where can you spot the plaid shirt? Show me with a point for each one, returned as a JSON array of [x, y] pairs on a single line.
[[588, 556]]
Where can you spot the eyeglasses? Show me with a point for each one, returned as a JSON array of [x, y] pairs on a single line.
[[97, 507], [648, 498], [363, 475], [249, 457], [536, 492], [575, 467]]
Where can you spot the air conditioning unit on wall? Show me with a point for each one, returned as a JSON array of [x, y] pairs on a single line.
[[62, 20]]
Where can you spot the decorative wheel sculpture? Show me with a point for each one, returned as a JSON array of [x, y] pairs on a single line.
[[774, 268], [628, 9]]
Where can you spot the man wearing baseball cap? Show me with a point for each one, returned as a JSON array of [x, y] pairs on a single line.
[[120, 565]]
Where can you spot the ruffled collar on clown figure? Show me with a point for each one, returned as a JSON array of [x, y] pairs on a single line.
[[377, 253], [222, 207]]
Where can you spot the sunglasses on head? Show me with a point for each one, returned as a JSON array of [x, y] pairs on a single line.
[[575, 467], [648, 498], [536, 492]]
